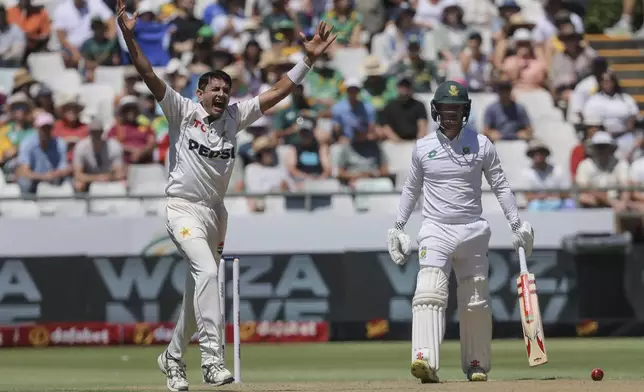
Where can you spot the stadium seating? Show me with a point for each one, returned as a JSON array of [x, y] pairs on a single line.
[[372, 185], [110, 76], [348, 61], [99, 101], [63, 205], [514, 160], [6, 79], [116, 204]]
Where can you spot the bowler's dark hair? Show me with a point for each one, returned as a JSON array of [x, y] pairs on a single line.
[[208, 76]]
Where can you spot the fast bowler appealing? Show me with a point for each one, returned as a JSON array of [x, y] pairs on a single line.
[[202, 154], [447, 166]]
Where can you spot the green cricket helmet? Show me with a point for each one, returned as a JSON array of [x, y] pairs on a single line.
[[451, 106]]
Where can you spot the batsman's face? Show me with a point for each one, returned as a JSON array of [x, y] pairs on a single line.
[[215, 97], [451, 116]]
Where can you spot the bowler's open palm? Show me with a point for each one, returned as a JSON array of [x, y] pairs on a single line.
[[320, 41], [125, 22]]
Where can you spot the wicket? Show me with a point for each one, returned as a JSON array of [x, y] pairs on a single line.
[[222, 305]]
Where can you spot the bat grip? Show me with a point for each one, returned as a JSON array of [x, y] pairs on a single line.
[[523, 264]]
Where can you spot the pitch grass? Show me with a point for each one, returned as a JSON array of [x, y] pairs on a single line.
[[368, 366]]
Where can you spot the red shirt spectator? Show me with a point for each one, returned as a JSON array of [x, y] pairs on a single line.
[[69, 127], [591, 125], [138, 141]]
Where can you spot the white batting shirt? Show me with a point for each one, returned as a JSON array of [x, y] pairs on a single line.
[[449, 172], [202, 153]]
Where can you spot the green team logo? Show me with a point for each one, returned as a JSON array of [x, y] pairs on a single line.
[[466, 150], [431, 154], [423, 252]]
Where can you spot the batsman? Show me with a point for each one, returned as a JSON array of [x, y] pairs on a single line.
[[447, 166]]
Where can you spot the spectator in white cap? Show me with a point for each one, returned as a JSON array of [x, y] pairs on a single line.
[[603, 170], [138, 140], [351, 114], [524, 69], [42, 157], [97, 159], [548, 184], [177, 76]]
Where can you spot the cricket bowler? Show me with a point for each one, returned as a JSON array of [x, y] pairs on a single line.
[[447, 166], [202, 154]]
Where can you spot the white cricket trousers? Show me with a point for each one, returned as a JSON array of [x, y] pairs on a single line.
[[198, 232], [463, 247]]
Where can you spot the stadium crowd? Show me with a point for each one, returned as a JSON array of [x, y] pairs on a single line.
[[339, 124]]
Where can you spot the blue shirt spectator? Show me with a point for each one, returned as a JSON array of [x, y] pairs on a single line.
[[506, 119], [212, 11], [42, 157], [352, 115]]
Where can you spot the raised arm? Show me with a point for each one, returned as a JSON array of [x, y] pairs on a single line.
[[141, 63], [313, 48]]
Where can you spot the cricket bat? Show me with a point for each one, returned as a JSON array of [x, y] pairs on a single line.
[[530, 314]]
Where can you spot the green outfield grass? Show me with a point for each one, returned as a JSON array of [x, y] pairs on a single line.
[[329, 366]]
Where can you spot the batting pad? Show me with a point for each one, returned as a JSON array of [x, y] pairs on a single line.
[[475, 312], [428, 320]]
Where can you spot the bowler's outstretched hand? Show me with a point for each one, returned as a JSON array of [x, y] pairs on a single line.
[[320, 41], [126, 23]]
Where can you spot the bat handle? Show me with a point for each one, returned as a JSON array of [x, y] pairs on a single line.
[[523, 263]]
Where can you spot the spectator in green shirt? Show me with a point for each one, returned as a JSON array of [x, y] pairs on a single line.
[[421, 72], [285, 121], [20, 116], [100, 50], [324, 84], [347, 23], [379, 88], [274, 21]]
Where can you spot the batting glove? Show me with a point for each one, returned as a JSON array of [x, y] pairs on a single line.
[[523, 236], [399, 245]]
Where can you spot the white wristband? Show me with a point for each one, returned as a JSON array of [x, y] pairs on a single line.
[[298, 72]]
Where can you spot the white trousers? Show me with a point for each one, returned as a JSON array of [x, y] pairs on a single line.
[[198, 232], [462, 247]]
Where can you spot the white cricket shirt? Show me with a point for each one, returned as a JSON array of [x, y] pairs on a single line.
[[202, 154], [450, 175]]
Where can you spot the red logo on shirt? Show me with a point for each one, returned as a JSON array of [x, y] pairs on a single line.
[[199, 125]]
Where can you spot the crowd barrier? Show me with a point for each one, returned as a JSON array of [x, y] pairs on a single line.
[[596, 292]]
